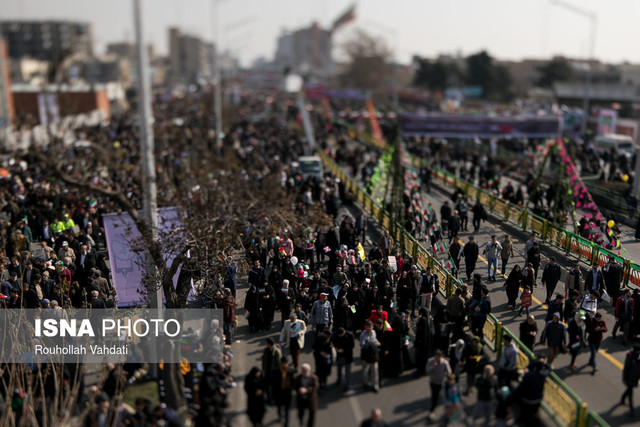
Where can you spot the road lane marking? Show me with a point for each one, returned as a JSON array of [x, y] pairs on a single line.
[[606, 355]]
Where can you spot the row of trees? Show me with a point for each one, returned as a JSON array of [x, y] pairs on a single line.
[[484, 71], [369, 67]]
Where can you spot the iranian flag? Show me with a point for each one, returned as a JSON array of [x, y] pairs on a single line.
[[345, 18]]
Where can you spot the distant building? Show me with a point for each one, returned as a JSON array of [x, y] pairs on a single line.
[[46, 40], [6, 96], [50, 104], [306, 51], [190, 58]]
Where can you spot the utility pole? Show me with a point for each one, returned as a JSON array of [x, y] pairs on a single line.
[[217, 78], [5, 129], [150, 202], [593, 20]]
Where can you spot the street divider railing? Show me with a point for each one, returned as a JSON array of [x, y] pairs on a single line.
[[568, 242], [559, 402]]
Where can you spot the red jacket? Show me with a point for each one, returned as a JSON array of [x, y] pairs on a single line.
[[228, 309], [620, 307], [374, 316], [596, 336]]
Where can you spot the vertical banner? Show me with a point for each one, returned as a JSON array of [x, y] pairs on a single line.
[[607, 121], [375, 126], [127, 261]]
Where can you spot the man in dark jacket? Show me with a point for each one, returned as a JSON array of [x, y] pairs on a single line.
[[283, 390], [423, 344], [306, 385], [550, 277], [470, 253], [344, 343], [529, 395], [594, 280], [375, 420], [631, 375], [613, 274]]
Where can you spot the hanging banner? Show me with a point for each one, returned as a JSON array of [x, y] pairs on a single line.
[[127, 262], [376, 132], [465, 126], [607, 121]]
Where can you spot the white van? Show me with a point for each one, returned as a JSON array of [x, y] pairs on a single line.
[[621, 144], [310, 166]]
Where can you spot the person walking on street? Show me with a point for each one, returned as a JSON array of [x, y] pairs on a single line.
[[624, 315], [306, 385], [292, 336], [283, 390], [574, 280], [423, 343], [528, 331], [594, 280], [271, 358], [438, 370], [487, 386], [445, 214], [456, 311], [470, 253], [529, 394], [533, 258], [550, 277], [630, 376], [529, 244], [427, 286], [576, 332], [597, 327], [613, 275], [482, 310], [507, 252], [492, 250], [344, 343], [463, 209], [508, 363], [375, 420], [590, 304], [554, 336], [370, 355], [479, 214], [525, 301], [512, 286], [321, 314], [255, 386]]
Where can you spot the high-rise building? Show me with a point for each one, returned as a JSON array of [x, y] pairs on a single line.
[[46, 40], [6, 97], [306, 51], [190, 58]]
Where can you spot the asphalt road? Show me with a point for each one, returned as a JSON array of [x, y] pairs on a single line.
[[601, 391], [404, 401]]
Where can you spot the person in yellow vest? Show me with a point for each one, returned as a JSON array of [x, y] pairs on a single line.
[[57, 226], [68, 222]]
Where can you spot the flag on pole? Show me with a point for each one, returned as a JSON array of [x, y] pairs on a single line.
[[348, 16]]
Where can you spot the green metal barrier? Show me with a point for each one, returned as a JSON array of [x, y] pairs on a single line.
[[581, 248], [593, 419], [560, 402]]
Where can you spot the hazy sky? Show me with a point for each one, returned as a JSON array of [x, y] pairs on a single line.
[[508, 29]]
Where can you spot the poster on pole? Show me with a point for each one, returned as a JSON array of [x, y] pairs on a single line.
[[127, 261], [607, 121]]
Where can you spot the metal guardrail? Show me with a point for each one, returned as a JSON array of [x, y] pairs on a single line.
[[570, 243], [560, 402]]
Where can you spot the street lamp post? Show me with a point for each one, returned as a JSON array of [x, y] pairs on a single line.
[[150, 202], [593, 19], [394, 65]]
